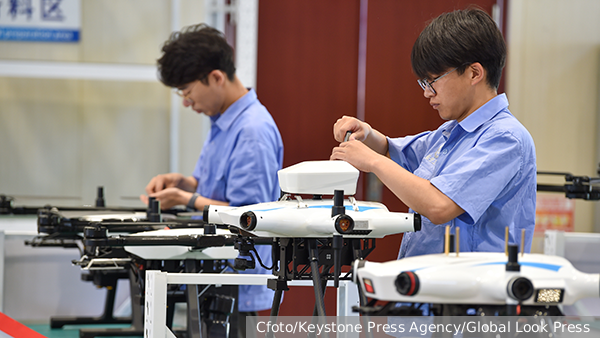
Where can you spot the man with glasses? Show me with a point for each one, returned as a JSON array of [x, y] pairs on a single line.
[[477, 171], [240, 158]]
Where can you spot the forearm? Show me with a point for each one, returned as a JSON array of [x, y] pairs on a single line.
[[376, 140], [202, 201], [417, 193], [189, 184]]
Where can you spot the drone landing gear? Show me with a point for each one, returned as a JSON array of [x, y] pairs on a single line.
[[313, 259]]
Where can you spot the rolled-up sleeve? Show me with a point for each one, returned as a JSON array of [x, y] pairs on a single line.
[[253, 167], [409, 151]]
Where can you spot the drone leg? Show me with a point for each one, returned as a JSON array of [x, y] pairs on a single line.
[[338, 243], [323, 289], [193, 304], [276, 302], [313, 253], [356, 249], [275, 310], [315, 318], [279, 286], [314, 271]]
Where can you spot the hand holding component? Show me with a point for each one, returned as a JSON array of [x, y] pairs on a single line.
[[358, 154], [359, 130], [169, 197], [347, 137], [163, 181]]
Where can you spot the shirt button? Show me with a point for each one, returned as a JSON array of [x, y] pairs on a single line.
[[444, 152]]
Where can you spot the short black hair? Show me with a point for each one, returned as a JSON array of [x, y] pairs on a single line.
[[192, 54], [457, 39]]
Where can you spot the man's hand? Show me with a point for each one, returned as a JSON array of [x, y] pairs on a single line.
[[356, 153], [360, 130], [169, 197], [164, 181]]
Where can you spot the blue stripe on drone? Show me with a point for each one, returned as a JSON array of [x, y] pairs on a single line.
[[348, 207], [551, 267], [545, 266]]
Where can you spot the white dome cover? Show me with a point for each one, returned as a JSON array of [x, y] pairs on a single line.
[[319, 178]]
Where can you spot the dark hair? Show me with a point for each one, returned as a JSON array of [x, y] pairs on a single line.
[[457, 39], [192, 54]]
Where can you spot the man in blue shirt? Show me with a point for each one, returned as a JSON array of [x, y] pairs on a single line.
[[476, 172], [239, 160]]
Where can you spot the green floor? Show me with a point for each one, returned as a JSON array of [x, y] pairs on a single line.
[[70, 331]]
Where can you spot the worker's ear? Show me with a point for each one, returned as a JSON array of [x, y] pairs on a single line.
[[477, 73], [217, 76]]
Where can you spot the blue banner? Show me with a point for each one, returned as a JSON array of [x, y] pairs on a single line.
[[40, 20], [38, 34]]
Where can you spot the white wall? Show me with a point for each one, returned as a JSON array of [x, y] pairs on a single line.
[[553, 86], [60, 139]]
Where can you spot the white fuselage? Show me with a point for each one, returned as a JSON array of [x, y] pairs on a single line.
[[313, 219], [477, 278]]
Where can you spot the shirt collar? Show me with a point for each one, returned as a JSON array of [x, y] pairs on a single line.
[[484, 113], [224, 120]]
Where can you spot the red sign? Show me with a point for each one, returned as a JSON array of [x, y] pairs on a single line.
[[554, 212]]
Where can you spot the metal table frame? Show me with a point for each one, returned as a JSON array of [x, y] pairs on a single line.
[[155, 308]]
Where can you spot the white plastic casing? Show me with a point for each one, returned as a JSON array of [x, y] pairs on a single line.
[[319, 178], [312, 218], [476, 278]]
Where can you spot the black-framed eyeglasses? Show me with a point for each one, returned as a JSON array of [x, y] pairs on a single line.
[[180, 91], [429, 84]]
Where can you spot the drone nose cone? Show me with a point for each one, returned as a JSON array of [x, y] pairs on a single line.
[[407, 283], [520, 288], [248, 221], [417, 222], [344, 224]]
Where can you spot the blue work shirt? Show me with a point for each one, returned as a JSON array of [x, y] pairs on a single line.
[[238, 164], [486, 165]]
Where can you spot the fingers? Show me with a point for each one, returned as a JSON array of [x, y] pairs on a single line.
[[160, 196], [340, 128], [144, 199], [169, 197], [347, 124], [335, 157], [150, 188], [156, 184], [338, 153]]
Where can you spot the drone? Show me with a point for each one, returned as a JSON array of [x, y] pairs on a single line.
[[474, 283], [579, 187], [294, 217], [67, 226]]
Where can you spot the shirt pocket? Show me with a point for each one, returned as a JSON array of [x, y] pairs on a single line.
[[426, 167], [214, 184]]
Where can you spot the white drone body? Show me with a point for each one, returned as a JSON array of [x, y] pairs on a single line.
[[295, 217], [476, 278]]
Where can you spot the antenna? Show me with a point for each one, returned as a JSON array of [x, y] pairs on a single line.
[[522, 242], [447, 241], [506, 242], [457, 240]]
